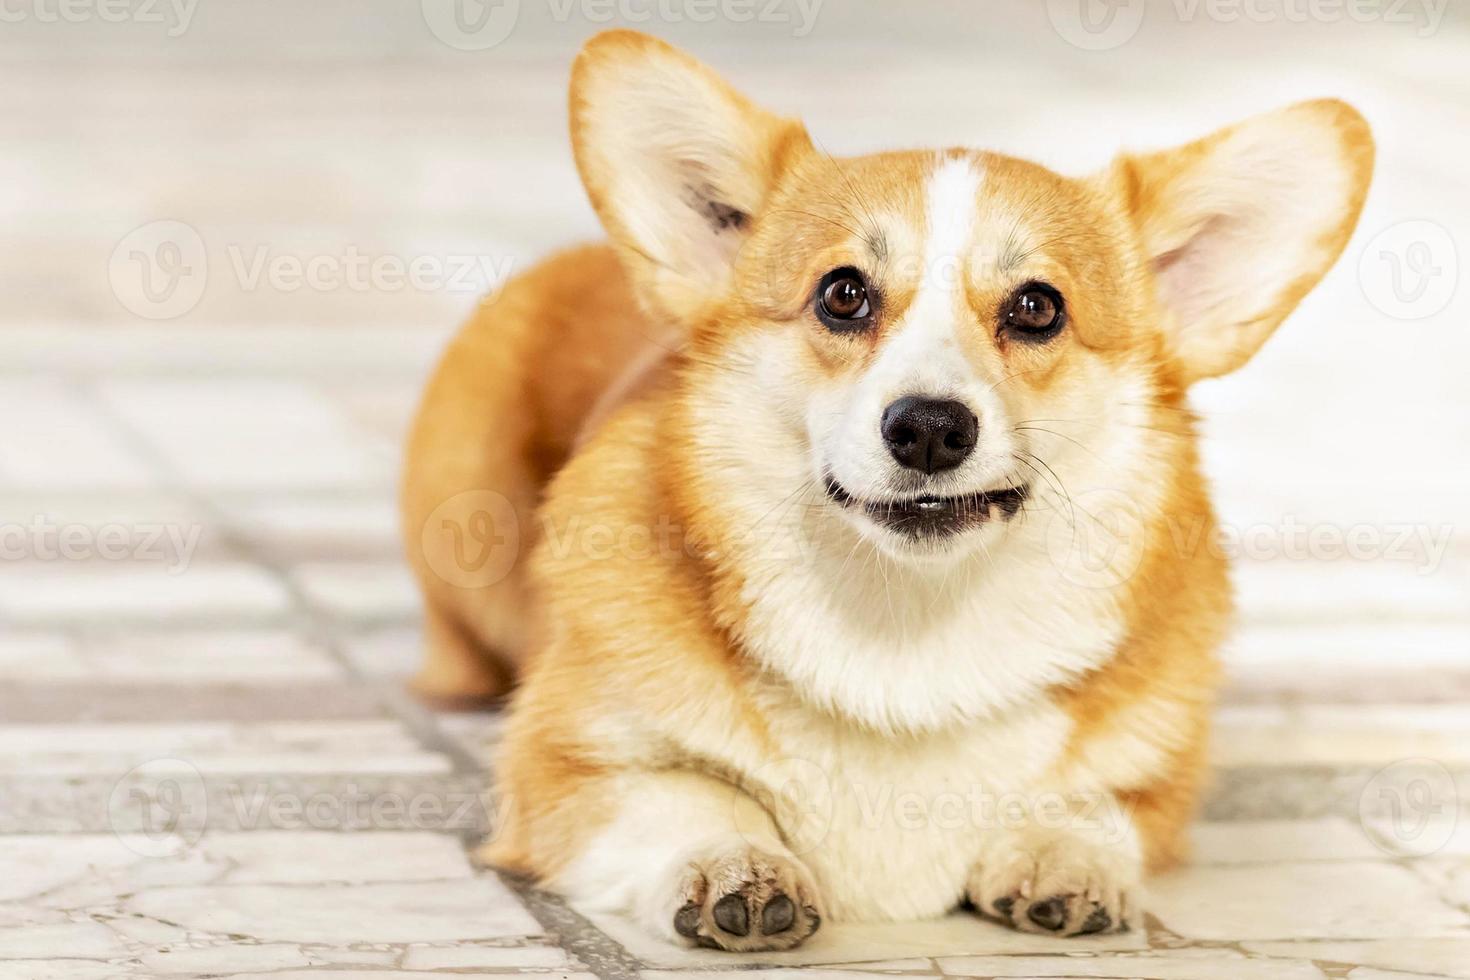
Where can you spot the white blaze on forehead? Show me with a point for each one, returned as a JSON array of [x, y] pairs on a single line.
[[954, 189], [924, 354]]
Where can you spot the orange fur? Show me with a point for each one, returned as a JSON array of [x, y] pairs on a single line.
[[665, 547]]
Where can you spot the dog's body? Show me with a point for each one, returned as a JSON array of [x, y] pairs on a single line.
[[889, 587]]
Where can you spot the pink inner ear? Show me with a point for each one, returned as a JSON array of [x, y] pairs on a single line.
[[1195, 279]]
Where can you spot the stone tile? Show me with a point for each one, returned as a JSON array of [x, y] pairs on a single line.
[[368, 975], [308, 858], [848, 943], [58, 969], [35, 593], [39, 864], [171, 657], [468, 957], [419, 912], [248, 433], [1348, 900], [395, 652], [53, 438], [397, 352], [1297, 591], [41, 656], [90, 940], [1326, 735], [1368, 973], [79, 702], [331, 527], [247, 655], [1270, 841], [1450, 878], [359, 591], [385, 408], [1357, 662], [1172, 965], [309, 801], [150, 528], [1458, 842], [230, 957], [1450, 957], [278, 747], [806, 973], [478, 732]]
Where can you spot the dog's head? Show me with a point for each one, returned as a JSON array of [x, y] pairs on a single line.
[[927, 337]]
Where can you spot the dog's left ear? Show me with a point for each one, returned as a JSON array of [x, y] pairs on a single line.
[[676, 162], [1240, 225]]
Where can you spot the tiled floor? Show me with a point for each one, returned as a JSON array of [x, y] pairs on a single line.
[[208, 766]]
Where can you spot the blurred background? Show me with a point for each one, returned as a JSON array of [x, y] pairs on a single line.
[[236, 235]]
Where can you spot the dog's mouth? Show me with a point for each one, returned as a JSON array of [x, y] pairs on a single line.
[[929, 516]]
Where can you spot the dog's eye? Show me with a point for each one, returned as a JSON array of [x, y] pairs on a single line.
[[1035, 311], [842, 300]]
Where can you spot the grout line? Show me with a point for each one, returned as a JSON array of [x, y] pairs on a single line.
[[599, 952], [317, 626]]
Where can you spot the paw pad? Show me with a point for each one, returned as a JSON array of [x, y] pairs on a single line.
[[1050, 914], [731, 916], [745, 902], [1067, 915]]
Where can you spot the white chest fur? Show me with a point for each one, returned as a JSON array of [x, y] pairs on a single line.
[[891, 827]]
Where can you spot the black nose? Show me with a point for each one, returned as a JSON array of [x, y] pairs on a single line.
[[929, 435]]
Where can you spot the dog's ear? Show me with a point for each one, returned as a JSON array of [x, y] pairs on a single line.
[[676, 162], [1240, 225]]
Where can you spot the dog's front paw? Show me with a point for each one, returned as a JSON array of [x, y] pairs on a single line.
[[743, 898], [1056, 883]]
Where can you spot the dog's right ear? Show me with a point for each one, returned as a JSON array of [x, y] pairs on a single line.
[[676, 162]]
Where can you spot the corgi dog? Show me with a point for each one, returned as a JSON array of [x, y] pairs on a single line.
[[856, 535]]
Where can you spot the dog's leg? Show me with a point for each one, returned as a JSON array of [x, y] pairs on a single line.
[[698, 862], [1067, 873], [457, 674]]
